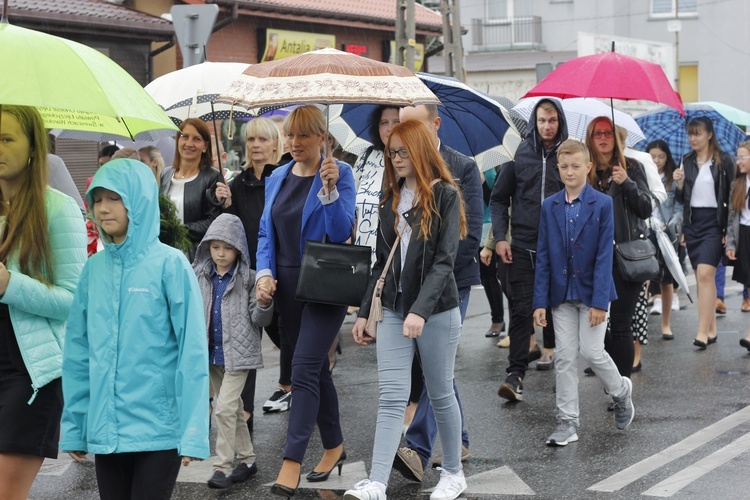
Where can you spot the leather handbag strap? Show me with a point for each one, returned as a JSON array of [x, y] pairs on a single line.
[[390, 257]]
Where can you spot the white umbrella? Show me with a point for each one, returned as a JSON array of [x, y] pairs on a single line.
[[188, 92], [580, 111], [671, 259]]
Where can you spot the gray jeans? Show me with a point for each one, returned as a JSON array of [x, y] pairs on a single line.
[[437, 347], [574, 333]]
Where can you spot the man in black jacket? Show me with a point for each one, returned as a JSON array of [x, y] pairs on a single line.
[[420, 437], [521, 187]]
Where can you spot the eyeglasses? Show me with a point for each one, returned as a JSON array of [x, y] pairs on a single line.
[[402, 153], [607, 134], [741, 158]]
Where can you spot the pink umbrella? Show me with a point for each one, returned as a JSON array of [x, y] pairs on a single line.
[[609, 75]]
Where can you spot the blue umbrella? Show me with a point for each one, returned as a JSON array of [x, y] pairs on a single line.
[[471, 123], [666, 124]]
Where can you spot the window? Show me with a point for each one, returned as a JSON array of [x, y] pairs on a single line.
[[666, 8], [505, 10]]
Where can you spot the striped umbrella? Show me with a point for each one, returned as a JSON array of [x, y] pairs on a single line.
[[666, 124]]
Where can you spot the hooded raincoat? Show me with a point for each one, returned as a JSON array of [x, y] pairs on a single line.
[[241, 316], [135, 365]]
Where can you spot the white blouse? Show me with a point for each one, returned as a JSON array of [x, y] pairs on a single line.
[[703, 195], [177, 195]]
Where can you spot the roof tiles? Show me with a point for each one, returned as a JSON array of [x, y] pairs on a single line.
[[382, 10], [94, 9]]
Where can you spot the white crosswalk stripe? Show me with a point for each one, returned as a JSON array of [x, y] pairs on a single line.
[[677, 450]]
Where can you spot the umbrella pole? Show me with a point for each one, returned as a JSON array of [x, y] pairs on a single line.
[[4, 18], [328, 150], [218, 138]]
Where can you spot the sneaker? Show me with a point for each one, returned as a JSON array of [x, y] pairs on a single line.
[[365, 490], [623, 407], [438, 460], [279, 401], [243, 472], [409, 464], [565, 433], [720, 307], [219, 480], [656, 308], [675, 302], [450, 485], [512, 389]]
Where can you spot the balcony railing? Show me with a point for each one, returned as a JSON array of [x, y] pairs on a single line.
[[511, 33]]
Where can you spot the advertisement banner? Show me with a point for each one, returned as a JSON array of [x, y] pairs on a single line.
[[280, 44], [418, 55]]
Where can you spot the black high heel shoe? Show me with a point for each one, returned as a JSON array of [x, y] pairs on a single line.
[[316, 477], [712, 340], [284, 491], [700, 344]]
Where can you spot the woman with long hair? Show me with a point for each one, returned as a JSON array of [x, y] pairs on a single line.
[[670, 216], [310, 198], [263, 150], [42, 252], [738, 225], [423, 206], [703, 184], [625, 181], [191, 181]]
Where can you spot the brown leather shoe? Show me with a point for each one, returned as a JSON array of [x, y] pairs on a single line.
[[720, 307], [745, 305]]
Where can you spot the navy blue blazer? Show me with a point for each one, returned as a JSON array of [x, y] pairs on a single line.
[[592, 251], [334, 219]]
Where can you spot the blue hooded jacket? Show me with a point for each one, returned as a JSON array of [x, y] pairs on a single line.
[[135, 364]]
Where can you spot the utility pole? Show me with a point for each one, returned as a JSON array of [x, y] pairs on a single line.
[[677, 46], [405, 33], [453, 51]]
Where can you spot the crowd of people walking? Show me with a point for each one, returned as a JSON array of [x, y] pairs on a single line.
[[125, 353]]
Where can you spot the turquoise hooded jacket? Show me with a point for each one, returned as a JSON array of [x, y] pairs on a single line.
[[135, 364]]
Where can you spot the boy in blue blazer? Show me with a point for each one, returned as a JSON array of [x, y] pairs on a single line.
[[573, 276]]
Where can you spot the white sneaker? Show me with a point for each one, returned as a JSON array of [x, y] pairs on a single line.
[[675, 303], [365, 490], [450, 485], [656, 308]]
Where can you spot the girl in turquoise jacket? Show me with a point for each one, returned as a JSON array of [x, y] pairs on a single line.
[[42, 251], [135, 369]]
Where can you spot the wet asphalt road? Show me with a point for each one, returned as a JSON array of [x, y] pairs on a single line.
[[689, 439]]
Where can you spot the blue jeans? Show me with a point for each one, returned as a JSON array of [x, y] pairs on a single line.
[[421, 434], [721, 280], [438, 343]]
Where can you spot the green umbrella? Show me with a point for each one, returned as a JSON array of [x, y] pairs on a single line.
[[734, 115], [76, 88]]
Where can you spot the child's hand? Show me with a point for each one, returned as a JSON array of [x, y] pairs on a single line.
[[413, 325], [540, 317], [186, 460], [597, 316], [265, 289], [78, 456]]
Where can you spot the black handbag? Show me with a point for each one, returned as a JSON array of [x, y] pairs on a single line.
[[334, 273], [636, 258]]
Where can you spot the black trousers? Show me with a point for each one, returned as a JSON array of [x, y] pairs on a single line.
[[521, 292], [619, 343], [489, 276], [147, 475]]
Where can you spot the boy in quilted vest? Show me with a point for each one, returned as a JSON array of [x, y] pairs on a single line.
[[233, 320]]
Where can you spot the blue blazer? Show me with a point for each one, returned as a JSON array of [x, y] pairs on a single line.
[[592, 251], [334, 219]]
